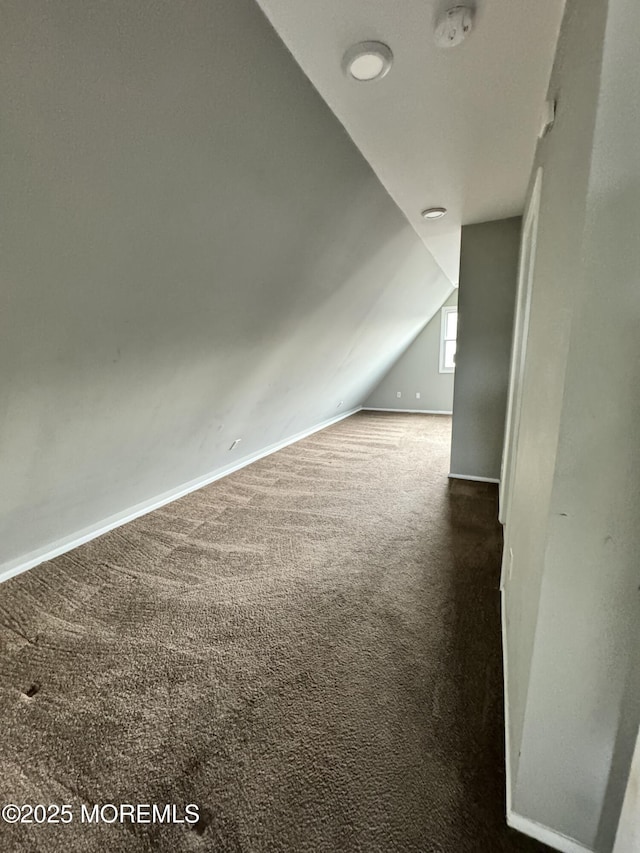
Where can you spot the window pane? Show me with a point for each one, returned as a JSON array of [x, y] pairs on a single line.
[[451, 326], [449, 354]]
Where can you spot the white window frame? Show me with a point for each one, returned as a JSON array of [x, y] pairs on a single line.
[[448, 309]]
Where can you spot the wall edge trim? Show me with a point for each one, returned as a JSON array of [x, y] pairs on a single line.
[[505, 700], [544, 834], [408, 411], [68, 543], [473, 479]]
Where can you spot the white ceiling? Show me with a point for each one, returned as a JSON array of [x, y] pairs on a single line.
[[446, 127]]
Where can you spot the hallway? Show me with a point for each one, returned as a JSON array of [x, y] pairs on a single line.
[[308, 649]]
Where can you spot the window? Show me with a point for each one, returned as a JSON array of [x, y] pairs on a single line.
[[448, 334]]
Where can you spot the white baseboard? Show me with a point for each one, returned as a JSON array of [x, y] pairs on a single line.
[[68, 543], [547, 836], [407, 411], [473, 479]]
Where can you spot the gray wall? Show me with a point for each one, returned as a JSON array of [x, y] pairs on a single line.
[[486, 300], [572, 602], [418, 371], [564, 155], [193, 251]]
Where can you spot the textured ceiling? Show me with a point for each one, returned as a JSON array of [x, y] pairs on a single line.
[[448, 127]]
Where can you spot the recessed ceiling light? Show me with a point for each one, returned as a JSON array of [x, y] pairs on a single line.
[[369, 60], [433, 213]]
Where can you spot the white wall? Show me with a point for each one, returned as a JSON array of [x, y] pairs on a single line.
[[418, 371], [565, 156], [193, 251], [486, 300], [572, 602]]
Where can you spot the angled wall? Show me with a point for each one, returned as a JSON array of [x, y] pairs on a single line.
[[193, 252], [417, 371]]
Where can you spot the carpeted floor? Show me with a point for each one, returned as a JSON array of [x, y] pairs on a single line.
[[309, 650]]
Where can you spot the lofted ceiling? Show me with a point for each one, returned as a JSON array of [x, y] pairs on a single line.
[[450, 127]]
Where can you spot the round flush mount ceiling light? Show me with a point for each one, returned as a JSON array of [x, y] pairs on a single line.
[[453, 26], [433, 213], [368, 60]]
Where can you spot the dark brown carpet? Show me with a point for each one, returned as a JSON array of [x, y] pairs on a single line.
[[308, 649]]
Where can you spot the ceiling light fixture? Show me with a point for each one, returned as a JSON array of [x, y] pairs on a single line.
[[369, 60], [433, 213]]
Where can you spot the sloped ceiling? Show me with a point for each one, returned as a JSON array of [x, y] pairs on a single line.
[[454, 128], [194, 251]]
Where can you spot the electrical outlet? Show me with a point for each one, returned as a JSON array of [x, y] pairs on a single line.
[[235, 444], [417, 395], [398, 394]]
